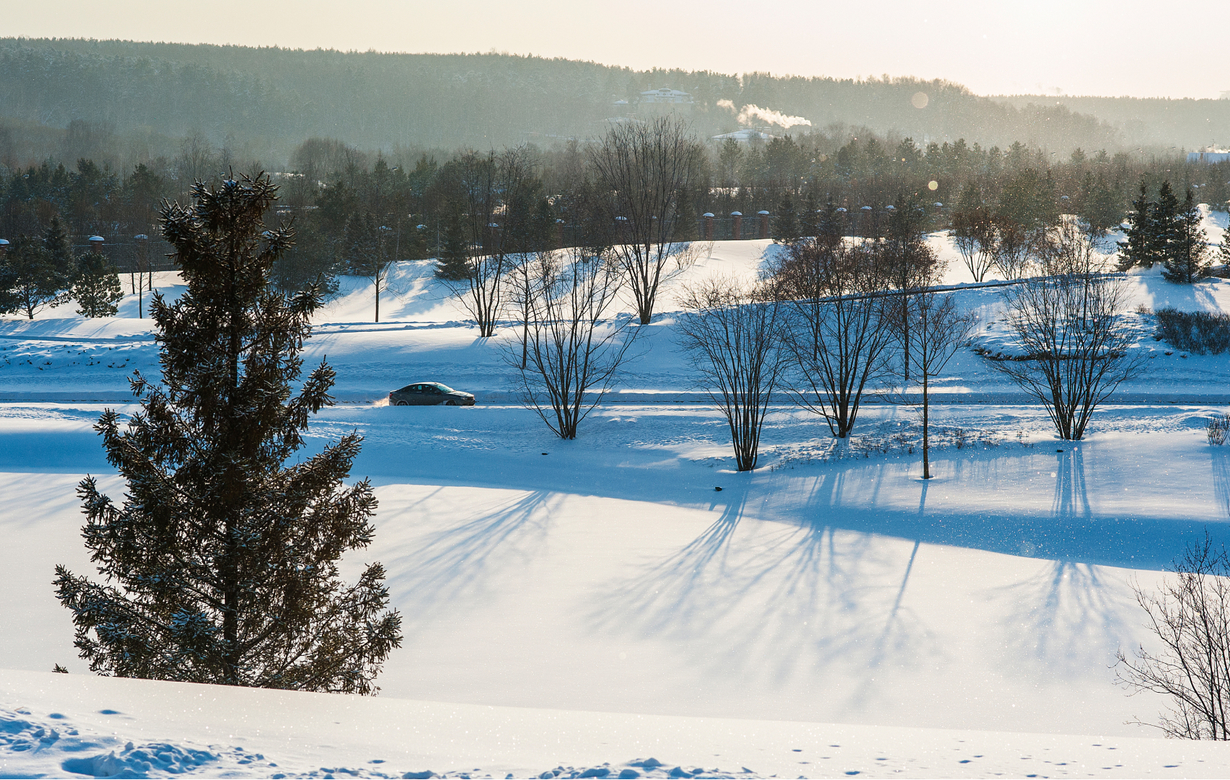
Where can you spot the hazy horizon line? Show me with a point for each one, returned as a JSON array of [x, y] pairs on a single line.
[[870, 79]]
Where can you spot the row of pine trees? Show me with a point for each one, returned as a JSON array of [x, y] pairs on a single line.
[[41, 271], [1161, 230]]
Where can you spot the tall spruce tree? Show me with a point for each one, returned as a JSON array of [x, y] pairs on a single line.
[[1164, 230], [221, 565], [809, 220], [1188, 257], [60, 251], [1138, 248]]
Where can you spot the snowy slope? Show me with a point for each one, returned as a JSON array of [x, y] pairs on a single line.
[[598, 601], [52, 725]]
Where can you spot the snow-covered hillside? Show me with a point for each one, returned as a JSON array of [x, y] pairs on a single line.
[[65, 726], [582, 605]]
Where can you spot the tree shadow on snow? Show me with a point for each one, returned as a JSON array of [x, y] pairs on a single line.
[[1064, 620], [776, 608], [674, 595], [1162, 294], [1070, 531], [434, 573]]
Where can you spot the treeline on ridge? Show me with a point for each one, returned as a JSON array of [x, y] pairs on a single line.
[[141, 99]]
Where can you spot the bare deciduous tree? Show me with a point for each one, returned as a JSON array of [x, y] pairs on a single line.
[[974, 234], [731, 333], [483, 188], [370, 251], [837, 337], [907, 264], [1014, 248], [1191, 619], [1068, 248], [574, 348], [938, 327], [645, 170], [1076, 348]]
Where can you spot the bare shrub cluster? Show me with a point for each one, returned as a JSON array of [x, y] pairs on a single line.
[[1198, 332], [1218, 429]]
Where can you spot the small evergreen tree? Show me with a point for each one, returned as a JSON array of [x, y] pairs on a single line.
[[1029, 199], [32, 278], [809, 220], [454, 261], [971, 199], [221, 565], [686, 221], [830, 225], [311, 261], [786, 221], [1138, 248], [1188, 258], [1100, 208], [361, 242], [55, 241], [96, 286]]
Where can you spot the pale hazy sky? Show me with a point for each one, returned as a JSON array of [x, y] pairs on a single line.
[[1075, 47]]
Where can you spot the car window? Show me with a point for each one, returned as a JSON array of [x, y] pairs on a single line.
[[444, 388]]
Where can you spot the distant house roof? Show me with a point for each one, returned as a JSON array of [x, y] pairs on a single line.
[[665, 95]]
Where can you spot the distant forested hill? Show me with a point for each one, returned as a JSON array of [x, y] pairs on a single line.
[[144, 98], [1161, 122]]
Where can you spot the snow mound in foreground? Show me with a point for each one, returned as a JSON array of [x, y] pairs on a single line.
[[32, 746], [159, 729]]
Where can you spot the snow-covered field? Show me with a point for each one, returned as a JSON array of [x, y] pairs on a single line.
[[584, 606]]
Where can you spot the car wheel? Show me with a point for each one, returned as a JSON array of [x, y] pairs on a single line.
[[450, 402], [400, 403]]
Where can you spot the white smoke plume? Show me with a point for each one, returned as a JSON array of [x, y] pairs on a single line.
[[755, 114]]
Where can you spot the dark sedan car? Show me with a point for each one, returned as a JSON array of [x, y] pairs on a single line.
[[429, 394]]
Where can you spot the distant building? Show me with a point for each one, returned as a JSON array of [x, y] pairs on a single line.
[[664, 95], [663, 101], [745, 136], [1208, 156]]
